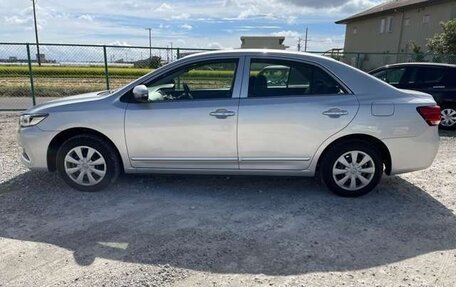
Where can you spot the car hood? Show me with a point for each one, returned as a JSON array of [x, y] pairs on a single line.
[[44, 107]]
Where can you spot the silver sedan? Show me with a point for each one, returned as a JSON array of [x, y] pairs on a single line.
[[250, 112]]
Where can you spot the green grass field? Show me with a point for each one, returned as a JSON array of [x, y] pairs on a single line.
[[60, 71], [57, 81]]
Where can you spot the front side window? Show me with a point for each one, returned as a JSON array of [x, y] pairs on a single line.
[[205, 80], [270, 78], [394, 76], [391, 76]]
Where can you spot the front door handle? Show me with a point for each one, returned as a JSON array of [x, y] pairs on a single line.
[[335, 113], [222, 113]]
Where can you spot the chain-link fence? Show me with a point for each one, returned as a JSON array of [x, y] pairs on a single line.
[[27, 78]]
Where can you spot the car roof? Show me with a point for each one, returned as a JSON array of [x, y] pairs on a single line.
[[256, 52], [415, 64]]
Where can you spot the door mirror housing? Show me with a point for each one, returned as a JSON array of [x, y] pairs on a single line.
[[141, 93]]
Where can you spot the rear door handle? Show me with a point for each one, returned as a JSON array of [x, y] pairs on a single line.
[[222, 113], [335, 113], [438, 87]]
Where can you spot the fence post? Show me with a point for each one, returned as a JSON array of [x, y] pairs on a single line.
[[357, 60], [32, 87], [178, 53], [106, 67]]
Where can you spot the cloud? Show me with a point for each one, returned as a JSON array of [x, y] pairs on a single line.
[[215, 45], [315, 3], [291, 34], [186, 26], [86, 17], [18, 20], [119, 43], [181, 16], [164, 7]]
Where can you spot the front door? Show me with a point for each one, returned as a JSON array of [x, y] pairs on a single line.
[[291, 108], [190, 119]]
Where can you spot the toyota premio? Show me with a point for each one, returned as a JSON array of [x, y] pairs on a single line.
[[247, 112]]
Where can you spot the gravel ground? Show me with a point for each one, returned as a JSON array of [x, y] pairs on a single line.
[[226, 231]]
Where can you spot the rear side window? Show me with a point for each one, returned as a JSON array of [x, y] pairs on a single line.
[[272, 78], [431, 75]]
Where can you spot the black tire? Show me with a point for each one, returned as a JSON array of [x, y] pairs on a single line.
[[332, 155], [452, 127], [112, 168]]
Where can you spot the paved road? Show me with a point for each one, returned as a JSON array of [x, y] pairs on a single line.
[[21, 103]]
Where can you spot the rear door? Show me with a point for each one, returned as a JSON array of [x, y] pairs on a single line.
[[437, 81], [282, 122]]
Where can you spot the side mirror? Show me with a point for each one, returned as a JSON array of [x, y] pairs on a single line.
[[141, 93]]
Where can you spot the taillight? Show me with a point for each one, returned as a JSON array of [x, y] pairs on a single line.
[[431, 114]]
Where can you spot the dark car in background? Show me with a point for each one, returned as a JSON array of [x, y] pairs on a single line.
[[436, 79]]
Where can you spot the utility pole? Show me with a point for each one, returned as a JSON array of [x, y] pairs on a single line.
[[305, 41], [299, 44], [150, 46], [38, 56]]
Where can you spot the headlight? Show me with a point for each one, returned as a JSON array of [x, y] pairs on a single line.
[[31, 120]]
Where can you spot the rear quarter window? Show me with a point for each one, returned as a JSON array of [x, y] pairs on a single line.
[[449, 80]]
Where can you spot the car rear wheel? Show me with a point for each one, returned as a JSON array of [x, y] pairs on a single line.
[[352, 168], [88, 163], [448, 120]]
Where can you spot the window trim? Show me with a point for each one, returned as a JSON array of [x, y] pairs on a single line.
[[426, 18], [382, 25], [389, 24], [407, 22], [246, 75]]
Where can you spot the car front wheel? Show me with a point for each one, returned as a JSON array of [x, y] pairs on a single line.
[[448, 118], [352, 168], [87, 163]]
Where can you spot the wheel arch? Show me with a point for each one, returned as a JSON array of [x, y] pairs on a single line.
[[385, 153], [61, 137]]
